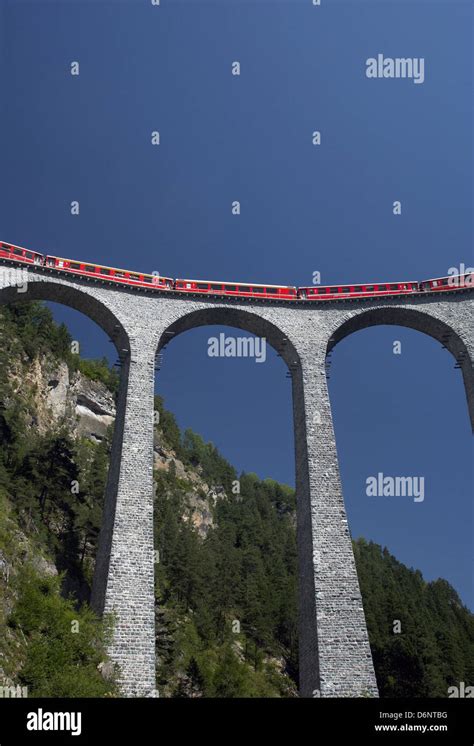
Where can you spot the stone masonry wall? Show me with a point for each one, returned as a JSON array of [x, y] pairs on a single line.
[[335, 658]]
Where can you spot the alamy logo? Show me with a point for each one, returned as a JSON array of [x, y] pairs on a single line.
[[396, 67], [382, 486], [55, 721], [13, 692], [461, 276], [461, 691], [223, 346], [17, 278]]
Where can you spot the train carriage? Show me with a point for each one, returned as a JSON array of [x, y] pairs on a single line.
[[19, 254], [453, 282], [332, 292], [239, 290], [110, 274]]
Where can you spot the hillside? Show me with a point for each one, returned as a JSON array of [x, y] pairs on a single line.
[[226, 579]]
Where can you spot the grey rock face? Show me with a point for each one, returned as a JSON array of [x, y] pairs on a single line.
[[94, 407], [335, 658], [57, 392]]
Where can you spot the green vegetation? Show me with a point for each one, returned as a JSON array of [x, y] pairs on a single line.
[[168, 426], [96, 370], [232, 595], [193, 451], [28, 329], [51, 492], [64, 645], [435, 646]]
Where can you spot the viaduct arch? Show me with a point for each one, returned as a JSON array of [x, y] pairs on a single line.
[[457, 338], [335, 658]]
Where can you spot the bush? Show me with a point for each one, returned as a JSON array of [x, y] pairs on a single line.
[[97, 370], [64, 645]]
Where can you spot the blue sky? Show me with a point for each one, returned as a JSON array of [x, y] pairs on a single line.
[[304, 208]]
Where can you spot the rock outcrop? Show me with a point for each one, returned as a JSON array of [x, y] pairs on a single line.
[[200, 498], [86, 408]]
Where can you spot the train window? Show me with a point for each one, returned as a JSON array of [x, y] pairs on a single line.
[[202, 286], [369, 288], [216, 287], [232, 288], [6, 246], [258, 290], [381, 287], [119, 274], [346, 290], [18, 252], [133, 276], [28, 255], [104, 271], [393, 287], [74, 265], [89, 268], [357, 289], [333, 290]]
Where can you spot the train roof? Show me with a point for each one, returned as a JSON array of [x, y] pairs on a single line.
[[449, 277]]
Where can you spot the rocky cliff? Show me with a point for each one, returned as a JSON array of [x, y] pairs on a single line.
[[57, 398]]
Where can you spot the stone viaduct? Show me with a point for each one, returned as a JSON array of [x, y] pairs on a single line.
[[335, 657]]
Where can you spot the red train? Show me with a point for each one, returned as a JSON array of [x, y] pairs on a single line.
[[156, 282], [318, 292], [240, 290]]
